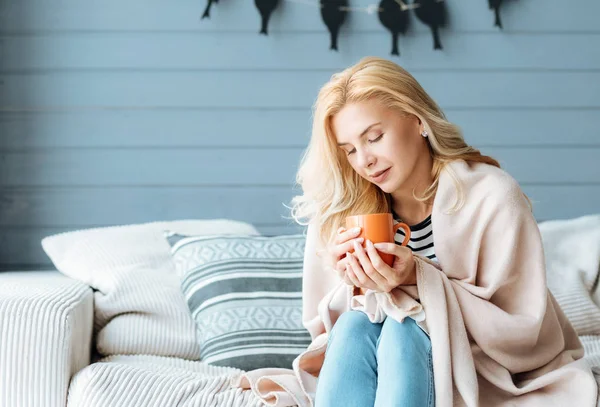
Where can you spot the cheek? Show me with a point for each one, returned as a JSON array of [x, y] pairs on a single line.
[[402, 152], [355, 167]]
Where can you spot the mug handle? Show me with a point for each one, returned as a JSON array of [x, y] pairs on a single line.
[[406, 229]]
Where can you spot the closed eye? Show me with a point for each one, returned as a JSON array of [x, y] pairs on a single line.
[[375, 140]]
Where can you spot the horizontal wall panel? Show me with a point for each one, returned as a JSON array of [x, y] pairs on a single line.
[[93, 15], [188, 167], [268, 128], [42, 207], [22, 246], [187, 50], [563, 201], [108, 206], [263, 89], [146, 167]]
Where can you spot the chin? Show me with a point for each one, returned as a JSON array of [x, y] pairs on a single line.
[[391, 185], [387, 187]]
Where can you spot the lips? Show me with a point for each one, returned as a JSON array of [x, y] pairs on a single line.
[[380, 176], [379, 173]]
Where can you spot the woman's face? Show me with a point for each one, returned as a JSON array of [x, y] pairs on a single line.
[[375, 139]]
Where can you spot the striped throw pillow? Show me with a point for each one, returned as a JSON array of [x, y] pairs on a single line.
[[245, 296]]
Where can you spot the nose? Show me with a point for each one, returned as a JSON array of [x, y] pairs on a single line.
[[365, 158]]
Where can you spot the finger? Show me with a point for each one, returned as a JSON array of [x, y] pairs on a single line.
[[333, 245], [364, 280], [401, 254], [345, 247], [369, 267], [385, 247], [351, 277], [340, 267], [347, 235], [385, 271], [364, 261]]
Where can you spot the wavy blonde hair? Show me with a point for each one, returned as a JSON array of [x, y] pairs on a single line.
[[331, 188]]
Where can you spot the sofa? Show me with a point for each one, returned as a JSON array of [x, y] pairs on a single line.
[[126, 316]]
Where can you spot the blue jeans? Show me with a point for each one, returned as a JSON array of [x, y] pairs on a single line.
[[383, 365]]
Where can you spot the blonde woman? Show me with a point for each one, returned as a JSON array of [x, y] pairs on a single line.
[[464, 316]]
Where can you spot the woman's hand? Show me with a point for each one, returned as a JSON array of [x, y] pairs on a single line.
[[335, 254], [367, 270]]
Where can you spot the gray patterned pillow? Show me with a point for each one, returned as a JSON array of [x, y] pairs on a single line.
[[245, 295]]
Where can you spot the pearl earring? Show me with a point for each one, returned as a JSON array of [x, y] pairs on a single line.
[[425, 134]]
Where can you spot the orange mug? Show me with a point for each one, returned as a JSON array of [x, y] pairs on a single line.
[[378, 228]]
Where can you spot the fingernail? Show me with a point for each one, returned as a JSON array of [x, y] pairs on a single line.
[[360, 239], [356, 245], [379, 245], [369, 243], [355, 230]]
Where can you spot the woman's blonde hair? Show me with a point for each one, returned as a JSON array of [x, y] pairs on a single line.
[[331, 188]]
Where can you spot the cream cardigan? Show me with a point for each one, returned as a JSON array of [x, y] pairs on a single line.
[[498, 336]]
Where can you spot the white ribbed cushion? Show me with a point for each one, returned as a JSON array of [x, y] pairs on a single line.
[[591, 344], [139, 308], [572, 251], [154, 381], [45, 337]]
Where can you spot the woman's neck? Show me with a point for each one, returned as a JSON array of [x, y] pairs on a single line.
[[414, 214], [405, 205]]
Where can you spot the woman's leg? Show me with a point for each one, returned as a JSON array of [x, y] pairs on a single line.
[[349, 374], [405, 368]]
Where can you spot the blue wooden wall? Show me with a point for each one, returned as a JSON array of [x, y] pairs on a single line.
[[117, 112]]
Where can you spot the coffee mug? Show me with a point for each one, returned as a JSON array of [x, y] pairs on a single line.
[[378, 228]]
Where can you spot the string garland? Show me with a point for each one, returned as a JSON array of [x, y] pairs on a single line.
[[369, 9], [393, 15]]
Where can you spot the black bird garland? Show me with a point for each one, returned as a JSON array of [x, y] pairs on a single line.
[[395, 18], [209, 3], [393, 15], [333, 13], [265, 7], [495, 5], [433, 14]]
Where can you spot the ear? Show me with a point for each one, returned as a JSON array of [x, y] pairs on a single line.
[[421, 127]]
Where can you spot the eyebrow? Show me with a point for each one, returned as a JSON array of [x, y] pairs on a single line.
[[365, 131]]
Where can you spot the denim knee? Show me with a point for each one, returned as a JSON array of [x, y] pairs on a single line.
[[404, 356], [354, 327], [414, 342]]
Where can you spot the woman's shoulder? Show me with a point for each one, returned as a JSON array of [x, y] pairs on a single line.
[[484, 181]]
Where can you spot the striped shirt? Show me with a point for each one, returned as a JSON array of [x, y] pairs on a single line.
[[421, 238]]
